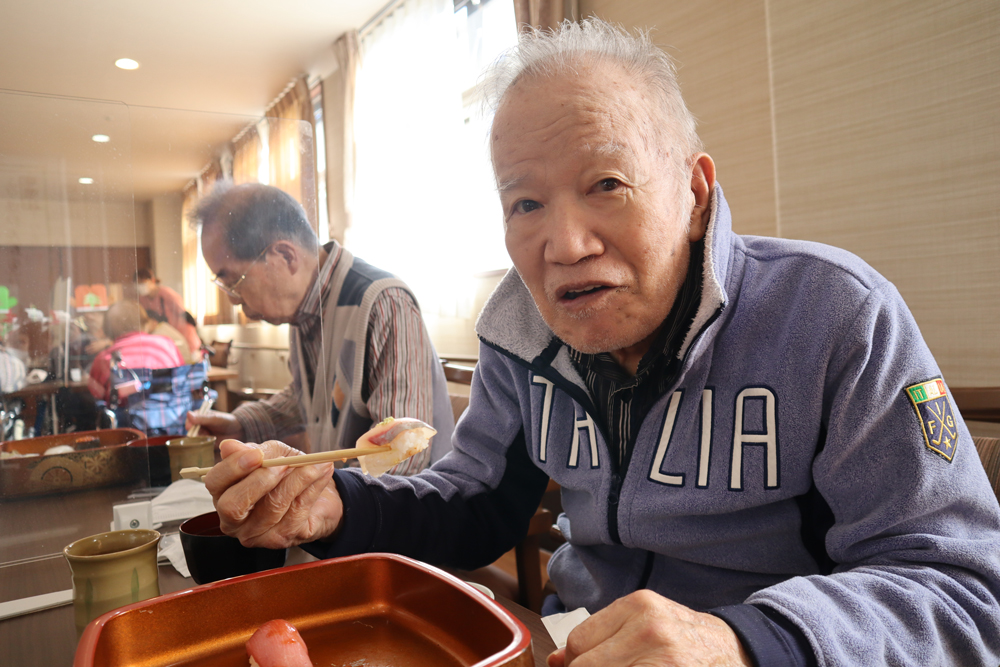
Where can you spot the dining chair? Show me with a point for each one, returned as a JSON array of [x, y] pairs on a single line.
[[989, 454], [220, 358], [527, 587]]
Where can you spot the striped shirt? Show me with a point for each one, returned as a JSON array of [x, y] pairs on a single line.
[[398, 370], [623, 400]]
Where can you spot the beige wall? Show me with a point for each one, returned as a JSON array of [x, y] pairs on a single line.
[[870, 126], [721, 54], [73, 222], [165, 214]]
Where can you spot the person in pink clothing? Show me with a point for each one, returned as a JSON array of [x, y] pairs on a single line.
[[124, 324], [165, 305]]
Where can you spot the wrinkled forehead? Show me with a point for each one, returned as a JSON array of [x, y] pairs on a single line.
[[598, 110], [215, 248]]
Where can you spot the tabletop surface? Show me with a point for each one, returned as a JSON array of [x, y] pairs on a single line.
[[32, 534]]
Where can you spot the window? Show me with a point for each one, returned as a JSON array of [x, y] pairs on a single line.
[[425, 202]]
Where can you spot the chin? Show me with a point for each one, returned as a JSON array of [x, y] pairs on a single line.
[[593, 342]]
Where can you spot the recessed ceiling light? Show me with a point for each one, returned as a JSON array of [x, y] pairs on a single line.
[[126, 63], [86, 180], [101, 138]]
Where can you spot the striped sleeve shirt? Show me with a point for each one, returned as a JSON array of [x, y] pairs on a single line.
[[398, 371]]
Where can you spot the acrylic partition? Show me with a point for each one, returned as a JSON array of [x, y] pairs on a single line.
[[82, 208], [69, 248]]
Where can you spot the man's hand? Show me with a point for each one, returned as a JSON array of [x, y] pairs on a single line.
[[213, 422], [647, 629], [275, 507]]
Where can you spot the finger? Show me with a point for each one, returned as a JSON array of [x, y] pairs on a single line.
[[238, 502], [298, 524], [290, 499], [557, 658], [230, 446], [190, 420], [238, 461], [599, 628]]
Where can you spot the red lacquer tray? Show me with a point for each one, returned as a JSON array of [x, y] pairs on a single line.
[[375, 610]]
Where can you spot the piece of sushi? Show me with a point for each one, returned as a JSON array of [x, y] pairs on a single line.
[[278, 644], [406, 436]]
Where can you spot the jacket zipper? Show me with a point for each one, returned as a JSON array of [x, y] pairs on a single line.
[[583, 398]]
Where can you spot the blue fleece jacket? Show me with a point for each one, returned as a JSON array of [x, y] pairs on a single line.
[[809, 464]]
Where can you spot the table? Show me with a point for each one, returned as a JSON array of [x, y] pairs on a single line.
[[31, 563], [218, 379]]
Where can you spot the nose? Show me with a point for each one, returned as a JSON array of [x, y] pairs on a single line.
[[235, 300], [571, 232]]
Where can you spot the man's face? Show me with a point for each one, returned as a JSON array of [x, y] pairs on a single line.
[[261, 292], [597, 218]]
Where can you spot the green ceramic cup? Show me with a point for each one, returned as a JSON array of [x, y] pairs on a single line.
[[111, 570], [196, 451]]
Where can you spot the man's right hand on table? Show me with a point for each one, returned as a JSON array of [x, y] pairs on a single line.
[[213, 422], [275, 507]]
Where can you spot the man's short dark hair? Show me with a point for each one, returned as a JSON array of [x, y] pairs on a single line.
[[253, 216]]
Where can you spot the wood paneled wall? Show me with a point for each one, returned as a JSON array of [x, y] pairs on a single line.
[[30, 272], [869, 126]]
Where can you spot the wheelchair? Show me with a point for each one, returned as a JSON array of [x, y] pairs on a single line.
[[154, 401]]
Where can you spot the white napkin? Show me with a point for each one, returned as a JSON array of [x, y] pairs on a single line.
[[560, 625], [183, 499], [171, 550]]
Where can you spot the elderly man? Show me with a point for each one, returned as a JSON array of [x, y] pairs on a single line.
[[359, 348], [759, 461]]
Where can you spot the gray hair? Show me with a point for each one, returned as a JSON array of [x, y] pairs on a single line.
[[546, 53], [253, 216]]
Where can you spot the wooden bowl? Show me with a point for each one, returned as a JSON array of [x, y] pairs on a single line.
[[379, 609], [102, 459]]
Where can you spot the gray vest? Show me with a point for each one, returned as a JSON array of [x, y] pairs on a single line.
[[355, 285]]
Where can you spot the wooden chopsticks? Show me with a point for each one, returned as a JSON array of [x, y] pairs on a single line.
[[205, 407], [303, 460]]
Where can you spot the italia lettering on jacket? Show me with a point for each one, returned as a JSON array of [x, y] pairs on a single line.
[[758, 400]]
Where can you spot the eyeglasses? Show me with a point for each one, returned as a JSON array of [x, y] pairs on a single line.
[[231, 289]]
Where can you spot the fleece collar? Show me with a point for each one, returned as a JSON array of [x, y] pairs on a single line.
[[510, 320]]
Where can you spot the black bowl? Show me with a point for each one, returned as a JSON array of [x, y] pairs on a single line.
[[211, 555]]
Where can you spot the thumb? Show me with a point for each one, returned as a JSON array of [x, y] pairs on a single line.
[[557, 658], [229, 446]]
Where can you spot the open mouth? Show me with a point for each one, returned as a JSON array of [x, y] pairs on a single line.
[[571, 295]]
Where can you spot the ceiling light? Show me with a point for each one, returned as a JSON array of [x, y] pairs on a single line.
[[86, 180], [126, 63], [101, 138]]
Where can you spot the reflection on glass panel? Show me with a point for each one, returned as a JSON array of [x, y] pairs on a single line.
[[70, 249], [105, 308]]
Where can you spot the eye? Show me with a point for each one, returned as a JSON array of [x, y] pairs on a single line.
[[608, 185], [525, 206]]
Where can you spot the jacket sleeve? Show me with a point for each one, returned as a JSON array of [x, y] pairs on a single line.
[[468, 508], [915, 540]]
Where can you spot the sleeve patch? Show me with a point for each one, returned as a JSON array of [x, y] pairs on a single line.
[[937, 422]]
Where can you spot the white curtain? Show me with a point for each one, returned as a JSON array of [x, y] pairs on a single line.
[[425, 204]]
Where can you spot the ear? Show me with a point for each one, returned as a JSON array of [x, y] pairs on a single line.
[[288, 254], [702, 184]]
